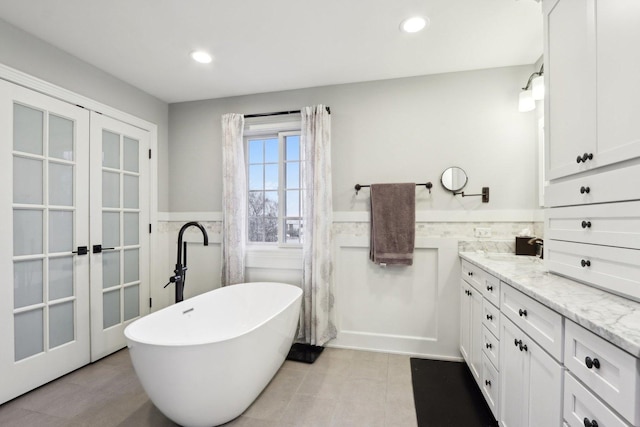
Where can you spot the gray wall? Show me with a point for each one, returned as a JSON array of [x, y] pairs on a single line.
[[34, 56], [397, 130]]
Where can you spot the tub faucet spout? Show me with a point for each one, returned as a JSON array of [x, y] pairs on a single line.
[[181, 263]]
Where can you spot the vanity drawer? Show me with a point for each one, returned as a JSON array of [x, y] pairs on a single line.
[[611, 224], [491, 347], [491, 317], [580, 405], [602, 188], [491, 289], [538, 321], [472, 275], [614, 374], [614, 269], [490, 385]]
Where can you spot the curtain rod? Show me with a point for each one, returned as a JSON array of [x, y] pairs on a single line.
[[278, 113]]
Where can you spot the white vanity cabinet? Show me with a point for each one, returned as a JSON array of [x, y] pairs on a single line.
[[592, 226], [591, 74]]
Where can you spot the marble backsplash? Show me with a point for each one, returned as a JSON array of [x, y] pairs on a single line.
[[502, 233]]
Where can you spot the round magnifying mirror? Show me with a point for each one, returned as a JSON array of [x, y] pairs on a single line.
[[454, 179]]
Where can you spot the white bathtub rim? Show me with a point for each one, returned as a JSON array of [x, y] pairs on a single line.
[[134, 340]]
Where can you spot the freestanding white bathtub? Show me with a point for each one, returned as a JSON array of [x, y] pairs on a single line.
[[204, 360]]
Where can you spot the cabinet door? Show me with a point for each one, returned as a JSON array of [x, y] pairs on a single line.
[[465, 321], [514, 372], [545, 387], [471, 328], [618, 86], [570, 73]]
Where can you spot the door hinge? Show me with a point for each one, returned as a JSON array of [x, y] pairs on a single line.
[[150, 302], [149, 228], [149, 152]]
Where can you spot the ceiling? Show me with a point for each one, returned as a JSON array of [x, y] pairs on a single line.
[[273, 45]]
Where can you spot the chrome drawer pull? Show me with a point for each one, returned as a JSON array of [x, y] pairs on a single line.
[[489, 317], [584, 190], [490, 288], [585, 263], [487, 382], [488, 345], [586, 224], [522, 313]]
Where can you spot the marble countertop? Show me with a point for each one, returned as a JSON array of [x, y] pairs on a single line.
[[612, 317]]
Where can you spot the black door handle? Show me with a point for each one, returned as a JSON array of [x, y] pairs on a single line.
[[98, 249], [82, 250]]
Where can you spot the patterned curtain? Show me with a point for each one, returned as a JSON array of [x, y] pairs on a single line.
[[317, 317], [234, 199]]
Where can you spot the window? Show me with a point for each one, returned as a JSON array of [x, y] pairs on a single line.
[[274, 196]]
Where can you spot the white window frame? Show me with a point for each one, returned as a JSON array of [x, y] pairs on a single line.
[[271, 131]]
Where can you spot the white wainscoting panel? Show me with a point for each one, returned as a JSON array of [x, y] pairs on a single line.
[[398, 309]]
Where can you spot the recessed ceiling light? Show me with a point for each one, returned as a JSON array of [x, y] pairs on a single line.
[[201, 56], [414, 24]]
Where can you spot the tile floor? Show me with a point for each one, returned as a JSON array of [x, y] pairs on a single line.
[[343, 388]]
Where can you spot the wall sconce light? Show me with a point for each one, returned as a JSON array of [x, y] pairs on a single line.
[[532, 92]]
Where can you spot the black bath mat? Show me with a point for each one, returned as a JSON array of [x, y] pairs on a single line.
[[446, 395], [306, 353]]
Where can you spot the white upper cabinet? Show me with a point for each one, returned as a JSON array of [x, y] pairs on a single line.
[[591, 73]]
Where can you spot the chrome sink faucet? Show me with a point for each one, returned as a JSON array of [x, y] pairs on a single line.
[[539, 246]]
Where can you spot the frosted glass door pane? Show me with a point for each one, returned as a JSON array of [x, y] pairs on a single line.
[[60, 184], [28, 333], [110, 190], [27, 283], [60, 138], [27, 232], [110, 150], [60, 278], [110, 269], [111, 229], [110, 308], [131, 155], [27, 129], [131, 228], [131, 265], [60, 231], [27, 181], [131, 302], [61, 324], [130, 192]]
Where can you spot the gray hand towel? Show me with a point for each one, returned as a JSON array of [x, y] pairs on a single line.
[[393, 223]]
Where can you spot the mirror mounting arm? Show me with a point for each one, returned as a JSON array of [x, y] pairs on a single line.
[[484, 194]]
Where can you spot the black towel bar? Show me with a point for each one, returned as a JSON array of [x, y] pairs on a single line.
[[358, 187]]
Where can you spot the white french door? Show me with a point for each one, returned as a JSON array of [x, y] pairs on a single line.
[[75, 246], [119, 225], [44, 297]]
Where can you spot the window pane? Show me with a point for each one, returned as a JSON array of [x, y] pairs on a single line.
[[110, 269], [60, 231], [110, 190], [271, 203], [60, 324], [27, 232], [293, 175], [131, 302], [256, 151], [60, 278], [131, 265], [131, 189], [110, 308], [110, 229], [271, 154], [256, 174], [293, 203], [271, 177], [110, 149], [292, 231], [131, 228], [60, 184], [27, 283], [130, 154], [256, 229], [28, 329], [292, 147], [60, 138], [271, 229], [27, 129], [27, 181], [256, 203]]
